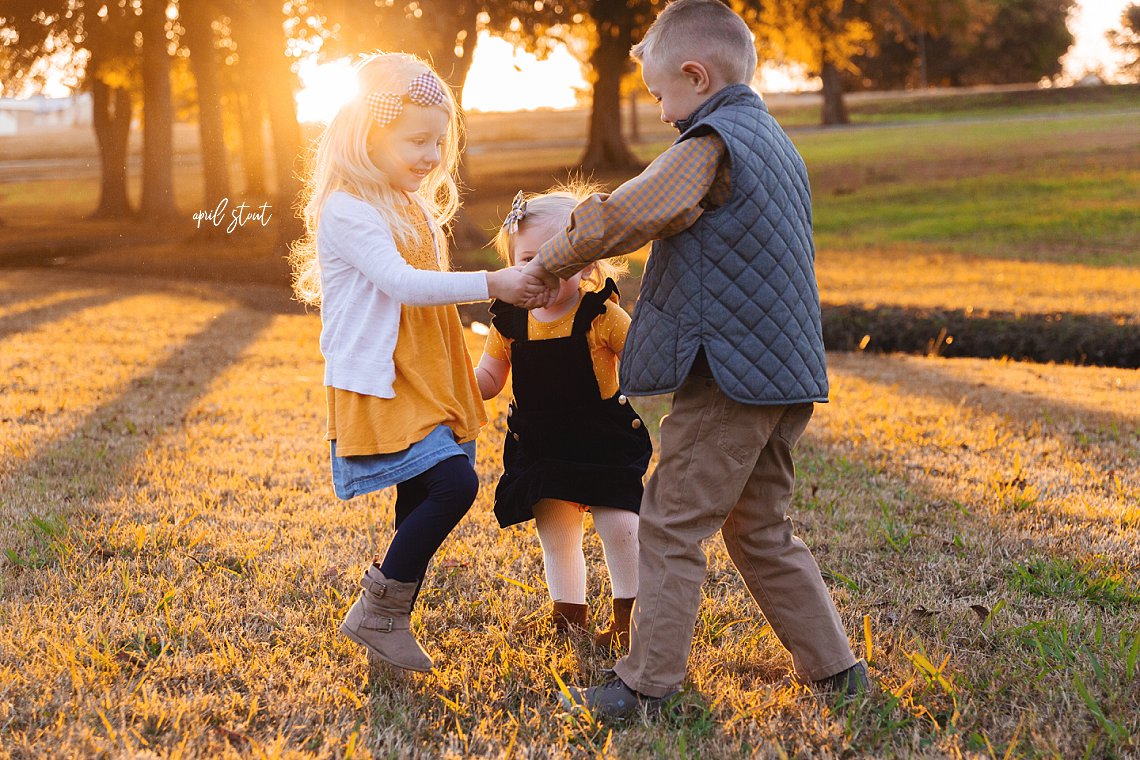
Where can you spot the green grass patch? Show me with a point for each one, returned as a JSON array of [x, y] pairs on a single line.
[[1062, 190], [1063, 579], [872, 108], [988, 141], [1085, 218], [46, 543]]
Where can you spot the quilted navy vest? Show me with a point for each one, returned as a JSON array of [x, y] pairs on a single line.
[[740, 281]]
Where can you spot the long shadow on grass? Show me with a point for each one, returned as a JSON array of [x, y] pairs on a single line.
[[99, 455], [921, 377], [931, 382], [1078, 338], [29, 319]]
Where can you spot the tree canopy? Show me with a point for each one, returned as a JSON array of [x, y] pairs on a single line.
[[1127, 39]]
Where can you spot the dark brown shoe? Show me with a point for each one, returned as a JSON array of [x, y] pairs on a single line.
[[569, 618], [617, 635]]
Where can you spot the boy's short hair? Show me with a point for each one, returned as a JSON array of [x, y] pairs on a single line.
[[701, 30]]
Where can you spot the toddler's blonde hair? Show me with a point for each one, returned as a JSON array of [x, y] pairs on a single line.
[[550, 211], [341, 162]]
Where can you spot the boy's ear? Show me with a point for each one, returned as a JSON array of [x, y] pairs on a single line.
[[697, 75]]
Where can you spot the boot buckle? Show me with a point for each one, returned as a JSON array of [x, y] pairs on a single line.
[[377, 588], [391, 622]]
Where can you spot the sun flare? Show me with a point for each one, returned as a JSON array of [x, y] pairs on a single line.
[[502, 78], [325, 87]]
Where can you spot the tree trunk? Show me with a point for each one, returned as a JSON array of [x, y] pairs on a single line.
[[439, 43], [112, 123], [634, 121], [260, 39], [251, 118], [834, 108], [606, 147], [286, 131], [439, 46], [199, 38], [158, 116]]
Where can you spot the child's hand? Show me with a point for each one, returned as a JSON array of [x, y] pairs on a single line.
[[517, 287], [538, 271]]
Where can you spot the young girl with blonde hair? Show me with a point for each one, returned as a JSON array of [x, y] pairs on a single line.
[[402, 399], [573, 442]]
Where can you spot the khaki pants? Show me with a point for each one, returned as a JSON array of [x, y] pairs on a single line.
[[728, 466]]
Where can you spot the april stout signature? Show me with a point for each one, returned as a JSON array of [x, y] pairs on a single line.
[[239, 215]]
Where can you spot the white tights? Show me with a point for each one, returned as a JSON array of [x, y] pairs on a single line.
[[560, 532]]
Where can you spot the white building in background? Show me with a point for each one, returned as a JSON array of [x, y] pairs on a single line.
[[21, 116]]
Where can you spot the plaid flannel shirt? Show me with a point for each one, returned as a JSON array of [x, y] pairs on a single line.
[[666, 198]]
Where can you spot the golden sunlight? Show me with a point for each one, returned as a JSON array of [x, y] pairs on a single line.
[[325, 87], [503, 78], [1091, 52]]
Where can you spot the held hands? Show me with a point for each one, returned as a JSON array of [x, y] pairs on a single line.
[[538, 271], [518, 287]]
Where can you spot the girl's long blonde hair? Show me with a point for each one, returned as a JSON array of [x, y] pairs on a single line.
[[551, 211], [340, 162]]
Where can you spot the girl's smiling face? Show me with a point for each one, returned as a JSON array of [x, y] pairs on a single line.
[[410, 147]]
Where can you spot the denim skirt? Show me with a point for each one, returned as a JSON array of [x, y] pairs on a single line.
[[354, 476]]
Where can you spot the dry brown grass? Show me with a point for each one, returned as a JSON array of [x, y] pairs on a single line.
[[176, 563], [912, 276]]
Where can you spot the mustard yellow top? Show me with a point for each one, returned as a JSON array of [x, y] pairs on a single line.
[[435, 383], [606, 340]]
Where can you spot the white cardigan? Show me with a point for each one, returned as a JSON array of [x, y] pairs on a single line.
[[364, 279]]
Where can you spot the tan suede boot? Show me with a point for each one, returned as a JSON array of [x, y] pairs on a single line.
[[568, 617], [617, 635], [380, 621]]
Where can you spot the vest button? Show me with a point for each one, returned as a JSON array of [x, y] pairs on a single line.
[[510, 410], [636, 424], [623, 400], [515, 436]]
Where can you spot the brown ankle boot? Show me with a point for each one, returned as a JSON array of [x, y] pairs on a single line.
[[380, 621], [568, 618], [617, 635]]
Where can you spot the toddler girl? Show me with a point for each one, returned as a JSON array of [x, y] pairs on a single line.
[[402, 400], [573, 442]]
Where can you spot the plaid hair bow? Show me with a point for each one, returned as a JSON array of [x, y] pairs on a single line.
[[425, 90], [518, 211]]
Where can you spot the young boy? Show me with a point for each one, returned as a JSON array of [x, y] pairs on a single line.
[[728, 320]]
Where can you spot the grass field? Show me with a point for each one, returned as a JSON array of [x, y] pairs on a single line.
[[173, 563], [176, 563]]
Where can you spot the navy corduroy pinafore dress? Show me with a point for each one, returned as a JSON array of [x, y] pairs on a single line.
[[564, 441]]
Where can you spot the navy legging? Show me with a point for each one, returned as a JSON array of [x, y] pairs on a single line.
[[428, 507]]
